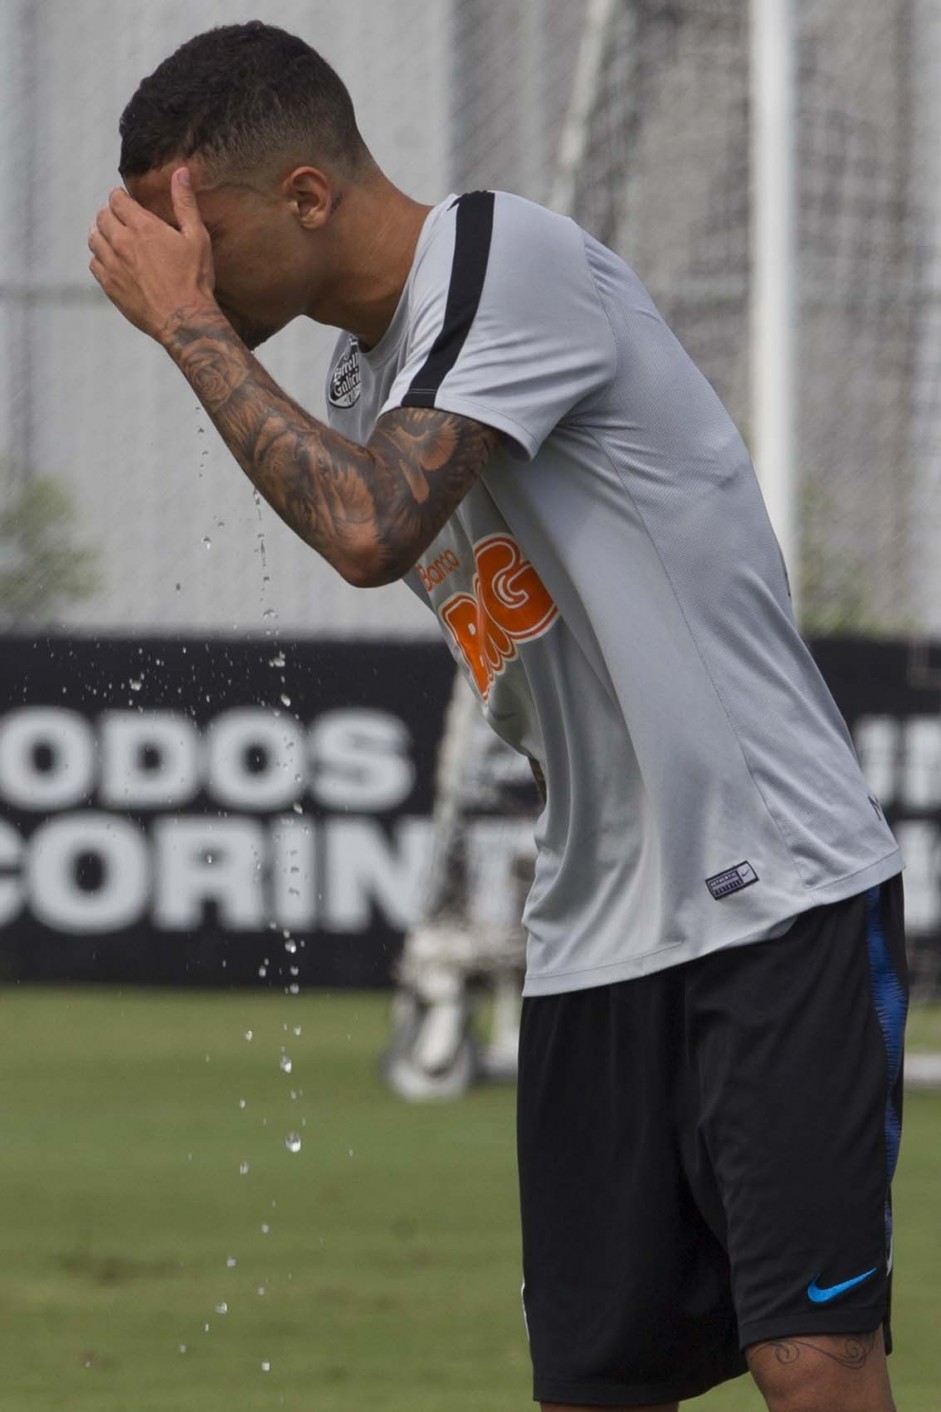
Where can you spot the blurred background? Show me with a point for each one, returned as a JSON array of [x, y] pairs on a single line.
[[228, 836]]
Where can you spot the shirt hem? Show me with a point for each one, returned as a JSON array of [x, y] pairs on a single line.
[[677, 953]]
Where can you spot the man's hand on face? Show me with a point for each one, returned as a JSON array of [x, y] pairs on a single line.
[[157, 276]]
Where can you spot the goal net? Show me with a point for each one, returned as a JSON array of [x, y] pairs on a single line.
[[633, 116]]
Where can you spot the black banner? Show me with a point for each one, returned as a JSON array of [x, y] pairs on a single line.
[[256, 811], [890, 695], [213, 812]]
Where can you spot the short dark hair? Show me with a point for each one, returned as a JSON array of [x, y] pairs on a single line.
[[237, 96]]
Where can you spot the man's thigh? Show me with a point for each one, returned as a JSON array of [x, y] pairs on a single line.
[[626, 1291], [797, 1102], [705, 1159], [824, 1373]]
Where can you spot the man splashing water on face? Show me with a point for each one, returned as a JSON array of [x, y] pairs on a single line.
[[710, 1051]]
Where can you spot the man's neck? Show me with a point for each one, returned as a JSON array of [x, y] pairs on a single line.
[[379, 227]]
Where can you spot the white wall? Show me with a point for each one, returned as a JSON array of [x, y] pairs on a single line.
[[109, 413], [926, 167]]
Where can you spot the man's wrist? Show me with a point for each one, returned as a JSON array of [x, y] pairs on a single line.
[[186, 319]]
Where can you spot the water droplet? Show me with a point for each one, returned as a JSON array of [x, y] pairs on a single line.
[[269, 613], [178, 587], [266, 1367], [298, 808], [290, 946], [135, 684], [352, 1151], [241, 1102], [182, 1347], [207, 541], [261, 1290], [222, 1308], [293, 1142], [262, 971], [278, 660], [249, 1035], [243, 1169], [231, 1262], [293, 989], [286, 1063], [297, 1030], [285, 699], [265, 1228]]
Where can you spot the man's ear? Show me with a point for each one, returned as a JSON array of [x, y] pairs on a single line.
[[311, 193]]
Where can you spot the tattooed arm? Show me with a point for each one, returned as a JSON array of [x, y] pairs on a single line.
[[370, 510]]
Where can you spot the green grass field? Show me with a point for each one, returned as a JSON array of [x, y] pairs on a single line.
[[378, 1266]]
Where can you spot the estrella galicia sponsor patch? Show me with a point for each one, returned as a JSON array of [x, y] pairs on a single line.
[[345, 385], [732, 880]]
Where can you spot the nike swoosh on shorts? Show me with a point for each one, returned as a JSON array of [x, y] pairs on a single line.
[[820, 1295]]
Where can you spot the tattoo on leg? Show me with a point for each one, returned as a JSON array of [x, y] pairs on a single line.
[[852, 1353]]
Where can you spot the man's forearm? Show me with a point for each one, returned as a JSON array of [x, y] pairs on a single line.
[[319, 483], [369, 510]]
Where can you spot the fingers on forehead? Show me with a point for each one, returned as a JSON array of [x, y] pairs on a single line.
[[125, 207]]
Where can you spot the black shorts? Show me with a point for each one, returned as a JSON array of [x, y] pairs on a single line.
[[705, 1157]]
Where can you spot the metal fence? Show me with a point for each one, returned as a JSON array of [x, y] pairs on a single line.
[[635, 114]]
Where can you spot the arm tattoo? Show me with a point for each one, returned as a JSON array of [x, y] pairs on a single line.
[[370, 510], [849, 1350]]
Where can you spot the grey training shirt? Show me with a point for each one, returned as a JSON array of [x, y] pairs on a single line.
[[614, 591]]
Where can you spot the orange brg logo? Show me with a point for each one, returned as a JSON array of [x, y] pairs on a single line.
[[509, 604]]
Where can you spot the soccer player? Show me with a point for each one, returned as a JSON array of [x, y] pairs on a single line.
[[710, 1052]]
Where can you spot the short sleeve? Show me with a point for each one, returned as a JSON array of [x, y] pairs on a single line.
[[505, 321]]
